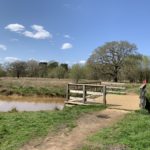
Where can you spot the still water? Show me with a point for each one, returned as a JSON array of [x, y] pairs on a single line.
[[6, 106]]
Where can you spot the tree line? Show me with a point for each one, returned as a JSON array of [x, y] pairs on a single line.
[[113, 61], [33, 68]]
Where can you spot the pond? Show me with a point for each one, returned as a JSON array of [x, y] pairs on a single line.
[[31, 105]]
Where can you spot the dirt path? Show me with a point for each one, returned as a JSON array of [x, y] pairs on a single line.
[[127, 102], [86, 125]]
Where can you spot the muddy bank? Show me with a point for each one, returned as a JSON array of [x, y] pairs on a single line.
[[44, 99]]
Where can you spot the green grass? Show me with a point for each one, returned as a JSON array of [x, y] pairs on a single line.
[[133, 87], [133, 133], [31, 91], [17, 128]]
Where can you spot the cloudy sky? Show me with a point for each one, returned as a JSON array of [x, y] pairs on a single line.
[[69, 30]]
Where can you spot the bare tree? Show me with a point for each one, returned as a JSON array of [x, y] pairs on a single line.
[[18, 68], [32, 68]]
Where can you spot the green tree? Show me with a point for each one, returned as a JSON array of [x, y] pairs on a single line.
[[131, 69], [145, 68], [65, 66], [52, 65], [60, 72], [110, 57], [2, 71], [92, 71], [77, 72], [43, 69]]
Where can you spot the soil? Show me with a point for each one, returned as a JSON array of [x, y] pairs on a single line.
[[125, 102], [88, 124]]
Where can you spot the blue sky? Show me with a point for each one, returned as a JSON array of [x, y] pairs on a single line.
[[69, 30]]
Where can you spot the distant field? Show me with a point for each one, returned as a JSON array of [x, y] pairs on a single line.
[[34, 86], [41, 82]]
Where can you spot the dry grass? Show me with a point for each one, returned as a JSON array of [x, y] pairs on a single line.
[[35, 82], [33, 86]]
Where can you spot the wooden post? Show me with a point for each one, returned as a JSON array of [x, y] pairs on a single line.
[[104, 94], [84, 93], [67, 93]]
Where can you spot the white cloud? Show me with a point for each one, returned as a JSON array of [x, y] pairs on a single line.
[[3, 47], [15, 27], [38, 33], [66, 46], [82, 62], [67, 36], [10, 59]]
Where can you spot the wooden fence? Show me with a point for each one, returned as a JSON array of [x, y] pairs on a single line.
[[84, 90]]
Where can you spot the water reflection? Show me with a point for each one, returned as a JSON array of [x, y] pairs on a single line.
[[6, 106]]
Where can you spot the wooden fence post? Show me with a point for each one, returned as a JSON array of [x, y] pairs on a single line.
[[84, 93], [104, 94], [67, 93]]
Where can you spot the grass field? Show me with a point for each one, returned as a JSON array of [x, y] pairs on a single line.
[[42, 82], [131, 133], [33, 86], [43, 86], [17, 128]]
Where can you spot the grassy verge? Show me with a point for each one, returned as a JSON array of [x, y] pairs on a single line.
[[133, 88], [17, 128], [31, 91], [131, 133]]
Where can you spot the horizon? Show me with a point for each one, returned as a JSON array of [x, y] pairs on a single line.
[[68, 31]]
